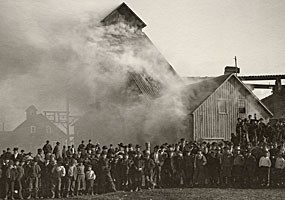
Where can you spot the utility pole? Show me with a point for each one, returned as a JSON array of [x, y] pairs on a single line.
[[67, 120], [236, 61]]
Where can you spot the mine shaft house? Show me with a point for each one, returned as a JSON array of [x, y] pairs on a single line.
[[215, 104]]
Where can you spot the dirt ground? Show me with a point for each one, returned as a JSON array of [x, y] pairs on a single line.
[[196, 193]]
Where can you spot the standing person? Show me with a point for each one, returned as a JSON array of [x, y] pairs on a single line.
[[124, 171], [138, 171], [80, 179], [157, 158], [264, 166], [90, 177], [238, 165], [226, 167], [105, 179], [71, 176], [64, 152], [81, 147], [278, 170], [199, 168], [56, 151], [189, 168], [47, 148], [34, 172], [179, 176], [20, 174], [46, 179], [58, 172], [168, 170], [149, 165], [250, 165], [212, 168], [11, 175]]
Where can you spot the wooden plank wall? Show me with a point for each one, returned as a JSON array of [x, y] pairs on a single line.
[[208, 123]]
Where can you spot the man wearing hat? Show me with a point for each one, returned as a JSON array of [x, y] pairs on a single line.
[[249, 169], [149, 166], [226, 167], [33, 173], [138, 171], [16, 155], [158, 159], [10, 177], [238, 165], [56, 151], [104, 177], [47, 148]]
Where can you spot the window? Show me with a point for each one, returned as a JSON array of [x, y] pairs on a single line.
[[241, 106], [48, 129], [33, 129], [222, 106]]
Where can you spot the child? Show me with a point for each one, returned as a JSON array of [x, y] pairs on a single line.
[[264, 165], [90, 177]]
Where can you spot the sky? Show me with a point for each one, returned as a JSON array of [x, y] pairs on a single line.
[[198, 38]]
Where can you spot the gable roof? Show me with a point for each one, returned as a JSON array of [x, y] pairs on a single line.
[[32, 107], [128, 14], [38, 119], [197, 93]]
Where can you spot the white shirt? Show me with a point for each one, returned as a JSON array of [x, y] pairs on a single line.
[[264, 162]]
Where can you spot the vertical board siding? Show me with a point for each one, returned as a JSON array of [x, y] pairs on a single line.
[[208, 123]]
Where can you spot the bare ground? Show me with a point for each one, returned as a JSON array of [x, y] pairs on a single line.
[[196, 193]]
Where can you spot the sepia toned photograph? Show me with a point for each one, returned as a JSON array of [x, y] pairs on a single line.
[[142, 100]]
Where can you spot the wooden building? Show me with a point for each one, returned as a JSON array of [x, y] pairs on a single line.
[[140, 86], [214, 104], [32, 133]]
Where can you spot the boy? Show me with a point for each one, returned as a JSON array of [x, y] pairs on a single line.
[[90, 177], [264, 166]]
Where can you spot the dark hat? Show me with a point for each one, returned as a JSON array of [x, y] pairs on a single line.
[[130, 145], [57, 142], [105, 147], [16, 149], [138, 146]]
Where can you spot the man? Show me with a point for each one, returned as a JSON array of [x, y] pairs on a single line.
[[138, 171], [39, 157], [58, 172], [200, 162], [81, 147], [238, 165], [47, 148], [226, 167], [20, 174], [157, 158], [16, 156], [11, 174], [149, 165], [46, 179], [33, 173], [71, 178], [249, 169], [56, 151], [105, 180], [124, 171], [189, 167]]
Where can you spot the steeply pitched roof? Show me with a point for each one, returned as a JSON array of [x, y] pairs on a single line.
[[197, 93], [127, 14], [32, 107], [276, 103]]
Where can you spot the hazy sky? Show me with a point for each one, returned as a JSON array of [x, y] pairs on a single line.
[[199, 38]]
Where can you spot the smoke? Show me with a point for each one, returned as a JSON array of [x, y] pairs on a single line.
[[92, 65]]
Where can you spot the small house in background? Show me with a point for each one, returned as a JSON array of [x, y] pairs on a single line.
[[215, 104], [33, 132]]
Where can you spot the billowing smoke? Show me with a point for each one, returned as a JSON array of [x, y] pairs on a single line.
[[93, 65]]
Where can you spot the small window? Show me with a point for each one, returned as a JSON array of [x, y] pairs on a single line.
[[222, 106], [33, 129], [48, 129], [241, 107]]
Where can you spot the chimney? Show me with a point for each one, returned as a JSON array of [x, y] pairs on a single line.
[[231, 70], [31, 112]]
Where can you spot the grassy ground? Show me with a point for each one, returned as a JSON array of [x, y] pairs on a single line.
[[193, 194]]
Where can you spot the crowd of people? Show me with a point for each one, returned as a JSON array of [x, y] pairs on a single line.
[[91, 169]]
